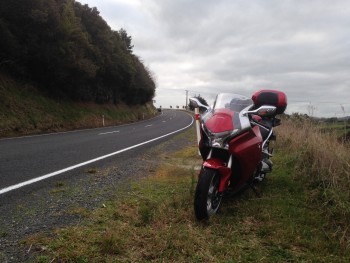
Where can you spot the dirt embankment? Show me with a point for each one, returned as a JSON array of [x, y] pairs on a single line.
[[24, 110]]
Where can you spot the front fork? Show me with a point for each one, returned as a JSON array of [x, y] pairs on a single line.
[[225, 170]]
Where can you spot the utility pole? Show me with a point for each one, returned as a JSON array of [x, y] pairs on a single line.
[[186, 98], [311, 109], [345, 121]]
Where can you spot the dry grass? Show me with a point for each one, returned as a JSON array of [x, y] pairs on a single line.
[[322, 161]]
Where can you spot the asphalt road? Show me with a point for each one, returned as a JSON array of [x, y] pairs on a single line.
[[28, 160]]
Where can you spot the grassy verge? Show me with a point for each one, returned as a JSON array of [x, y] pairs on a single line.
[[322, 163], [154, 221], [23, 110]]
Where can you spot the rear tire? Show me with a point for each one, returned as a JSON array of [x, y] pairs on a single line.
[[207, 197]]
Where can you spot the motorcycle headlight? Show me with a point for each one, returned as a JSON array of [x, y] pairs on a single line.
[[217, 143], [220, 140]]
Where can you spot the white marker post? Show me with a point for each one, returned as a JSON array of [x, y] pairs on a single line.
[[196, 112]]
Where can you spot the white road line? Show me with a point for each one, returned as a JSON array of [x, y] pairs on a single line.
[[148, 125], [43, 177], [103, 133]]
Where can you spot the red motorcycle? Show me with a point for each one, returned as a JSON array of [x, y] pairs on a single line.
[[234, 143]]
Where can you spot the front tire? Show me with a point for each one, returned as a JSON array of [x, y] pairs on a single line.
[[207, 197]]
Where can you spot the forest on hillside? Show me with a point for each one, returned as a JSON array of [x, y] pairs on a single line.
[[68, 50]]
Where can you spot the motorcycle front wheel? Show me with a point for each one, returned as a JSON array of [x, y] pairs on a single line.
[[207, 197]]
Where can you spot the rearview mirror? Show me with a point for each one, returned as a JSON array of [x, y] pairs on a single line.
[[263, 111], [197, 104]]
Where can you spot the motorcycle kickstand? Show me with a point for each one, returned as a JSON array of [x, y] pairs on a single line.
[[252, 186]]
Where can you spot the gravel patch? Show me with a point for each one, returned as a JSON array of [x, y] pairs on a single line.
[[55, 203]]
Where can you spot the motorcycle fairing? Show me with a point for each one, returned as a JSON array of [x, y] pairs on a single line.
[[247, 149], [225, 172], [223, 120], [220, 121], [227, 127]]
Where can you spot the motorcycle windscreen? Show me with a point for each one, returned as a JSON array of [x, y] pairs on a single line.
[[221, 121]]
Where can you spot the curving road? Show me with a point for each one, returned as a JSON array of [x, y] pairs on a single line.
[[28, 160]]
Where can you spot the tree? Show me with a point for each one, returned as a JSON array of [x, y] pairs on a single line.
[[71, 52], [126, 40]]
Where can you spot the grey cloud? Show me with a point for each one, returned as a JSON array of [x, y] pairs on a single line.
[[300, 47]]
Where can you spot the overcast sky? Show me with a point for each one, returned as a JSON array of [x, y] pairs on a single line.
[[301, 47]]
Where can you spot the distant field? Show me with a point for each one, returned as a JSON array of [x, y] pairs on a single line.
[[341, 128]]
